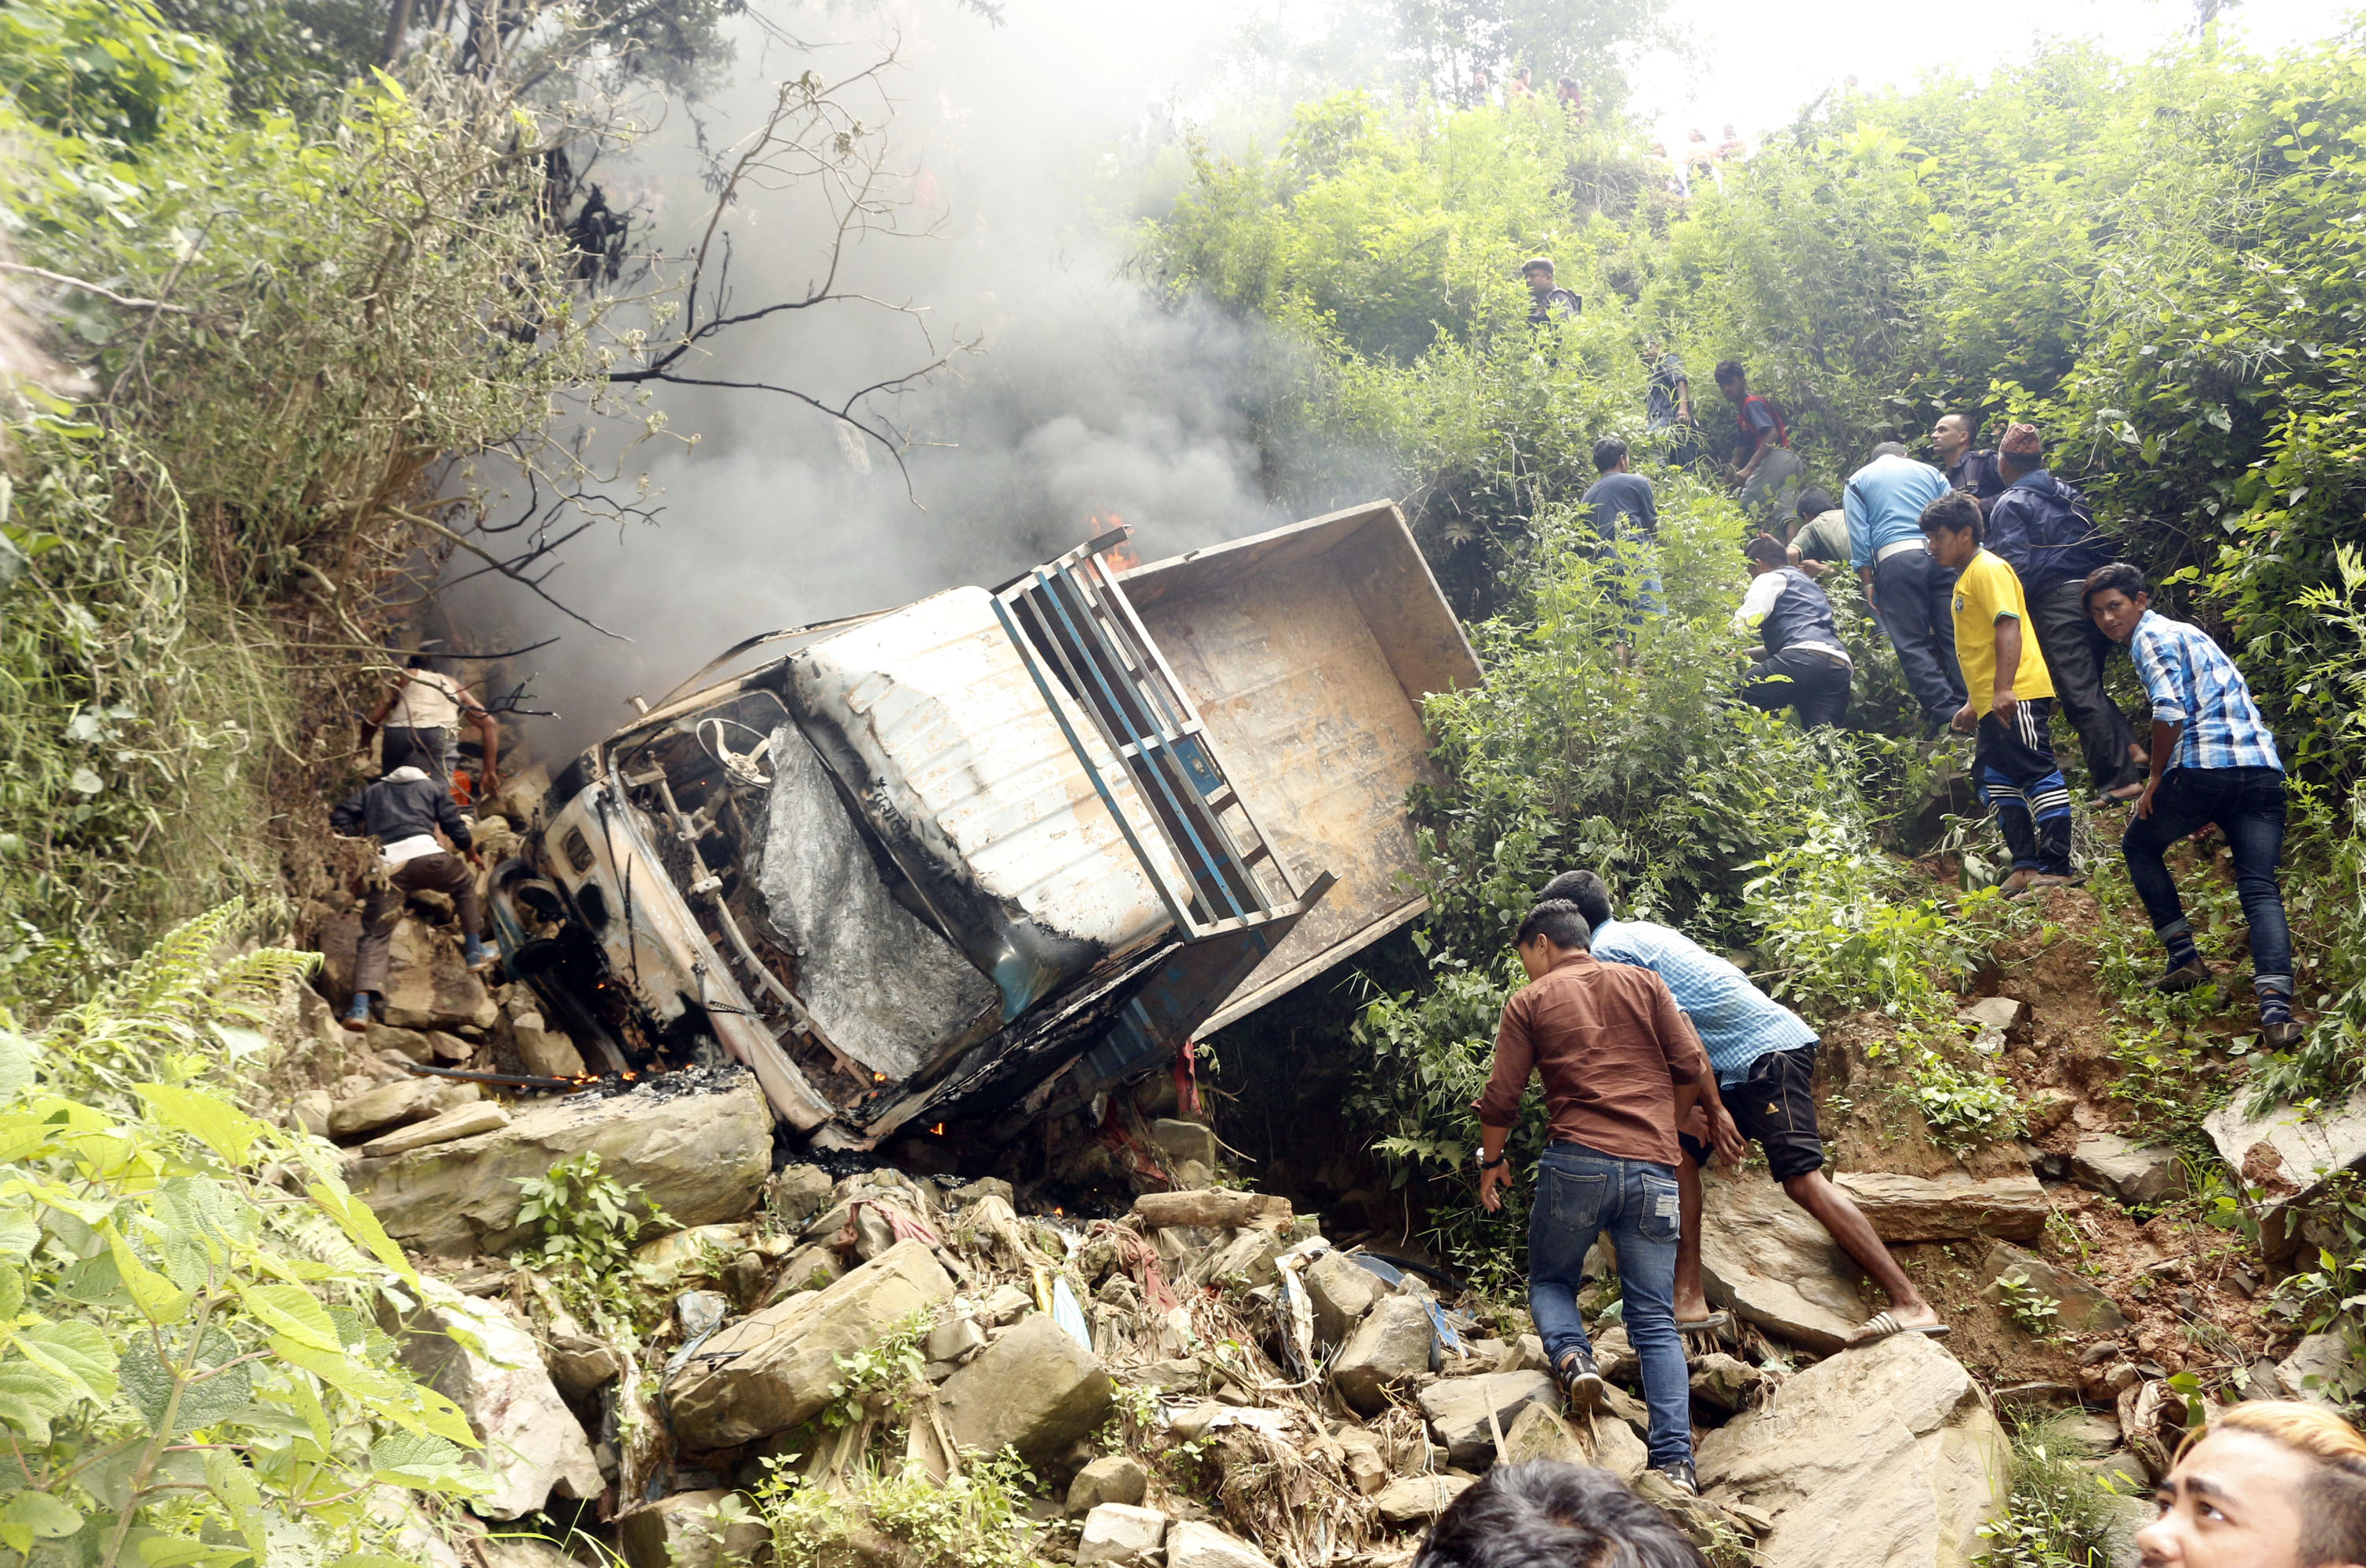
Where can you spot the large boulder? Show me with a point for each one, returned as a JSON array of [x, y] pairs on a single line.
[[1112, 1478], [1767, 1258], [2078, 1306], [1949, 1207], [1035, 1390], [773, 1368], [1342, 1292], [1886, 1456], [475, 1355], [701, 1158], [1418, 1499], [427, 984], [1120, 1533], [544, 1051], [2286, 1151], [1190, 1544], [2141, 1176], [1392, 1346], [398, 1104], [692, 1529], [1458, 1409]]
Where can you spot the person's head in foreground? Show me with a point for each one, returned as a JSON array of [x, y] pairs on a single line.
[[1549, 1515], [1952, 524], [2116, 599], [2270, 1484], [1552, 932]]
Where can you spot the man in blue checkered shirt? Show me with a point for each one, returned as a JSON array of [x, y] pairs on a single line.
[[2212, 761], [1765, 1057]]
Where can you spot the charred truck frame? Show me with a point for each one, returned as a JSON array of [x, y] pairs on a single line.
[[989, 855]]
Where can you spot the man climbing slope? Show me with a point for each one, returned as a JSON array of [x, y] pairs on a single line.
[[1764, 1058], [2213, 760], [402, 812], [1620, 1067]]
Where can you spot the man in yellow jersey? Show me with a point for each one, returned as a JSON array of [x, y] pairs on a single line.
[[2011, 699]]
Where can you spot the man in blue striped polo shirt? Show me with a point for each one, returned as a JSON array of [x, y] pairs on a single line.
[[2213, 760], [1764, 1058]]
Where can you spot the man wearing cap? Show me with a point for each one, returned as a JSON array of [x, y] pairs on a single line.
[[1546, 300], [2042, 528]]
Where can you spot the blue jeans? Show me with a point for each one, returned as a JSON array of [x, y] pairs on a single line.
[[2247, 804], [1580, 1194]]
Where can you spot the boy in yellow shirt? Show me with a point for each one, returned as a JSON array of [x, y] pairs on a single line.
[[2011, 699]]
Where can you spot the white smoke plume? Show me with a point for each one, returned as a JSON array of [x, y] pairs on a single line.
[[1027, 140]]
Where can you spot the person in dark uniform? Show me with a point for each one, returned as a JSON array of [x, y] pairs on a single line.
[[1800, 662]]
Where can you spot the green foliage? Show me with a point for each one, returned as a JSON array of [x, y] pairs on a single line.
[[2059, 1515], [588, 1223], [2027, 1305], [885, 1368], [189, 1367], [978, 1519]]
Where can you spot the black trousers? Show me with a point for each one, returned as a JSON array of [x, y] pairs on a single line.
[[2073, 653], [1817, 686], [1913, 598]]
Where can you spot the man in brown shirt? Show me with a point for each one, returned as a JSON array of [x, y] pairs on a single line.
[[1621, 1070]]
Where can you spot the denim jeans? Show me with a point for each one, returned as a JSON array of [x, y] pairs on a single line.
[[2247, 804], [1580, 1194], [1913, 598]]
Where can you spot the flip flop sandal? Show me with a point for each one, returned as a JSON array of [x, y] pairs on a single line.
[[1881, 1326], [1703, 1325]]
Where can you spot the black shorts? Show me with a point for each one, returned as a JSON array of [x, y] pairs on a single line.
[[1775, 1108]]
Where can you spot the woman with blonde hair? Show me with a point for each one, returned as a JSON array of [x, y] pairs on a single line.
[[2273, 1484]]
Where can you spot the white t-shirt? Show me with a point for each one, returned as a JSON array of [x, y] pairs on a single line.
[[427, 701]]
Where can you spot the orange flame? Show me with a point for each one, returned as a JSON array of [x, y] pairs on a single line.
[[1120, 558]]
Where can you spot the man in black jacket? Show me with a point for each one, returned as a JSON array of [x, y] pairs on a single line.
[[402, 812], [2041, 527]]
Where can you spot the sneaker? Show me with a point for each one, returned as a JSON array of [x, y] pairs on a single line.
[[2283, 1035], [2184, 976], [478, 956], [1679, 1475], [357, 1016], [1581, 1381]]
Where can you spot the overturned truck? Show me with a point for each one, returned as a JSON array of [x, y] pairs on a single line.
[[982, 857]]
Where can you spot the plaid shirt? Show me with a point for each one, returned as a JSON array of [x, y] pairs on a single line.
[[1736, 1023], [2192, 682]]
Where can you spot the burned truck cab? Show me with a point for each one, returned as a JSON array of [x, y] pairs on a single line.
[[967, 858]]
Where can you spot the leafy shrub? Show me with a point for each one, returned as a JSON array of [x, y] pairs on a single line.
[[190, 1371], [2059, 1515]]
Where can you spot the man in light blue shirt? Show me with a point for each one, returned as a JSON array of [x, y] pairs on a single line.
[[1910, 594], [1765, 1057]]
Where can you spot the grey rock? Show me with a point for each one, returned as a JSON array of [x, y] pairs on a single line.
[[1212, 1209], [1615, 1358], [580, 1364], [409, 1044], [1342, 1292], [1035, 1390], [1605, 1441], [1120, 1532], [2283, 1150], [1112, 1478], [983, 1187], [428, 986], [1248, 1260], [796, 1193], [692, 1529], [2315, 1369], [1768, 1259], [311, 1110], [545, 1051], [1947, 1208], [477, 1356], [1190, 1544], [2140, 1176], [1722, 1380], [1392, 1346], [1185, 1141], [1004, 1304], [1418, 1499], [1886, 1456], [2080, 1307], [1458, 1410], [807, 1268], [775, 1368], [1366, 1466], [956, 1340], [397, 1104], [701, 1158], [466, 1122], [1993, 1012]]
